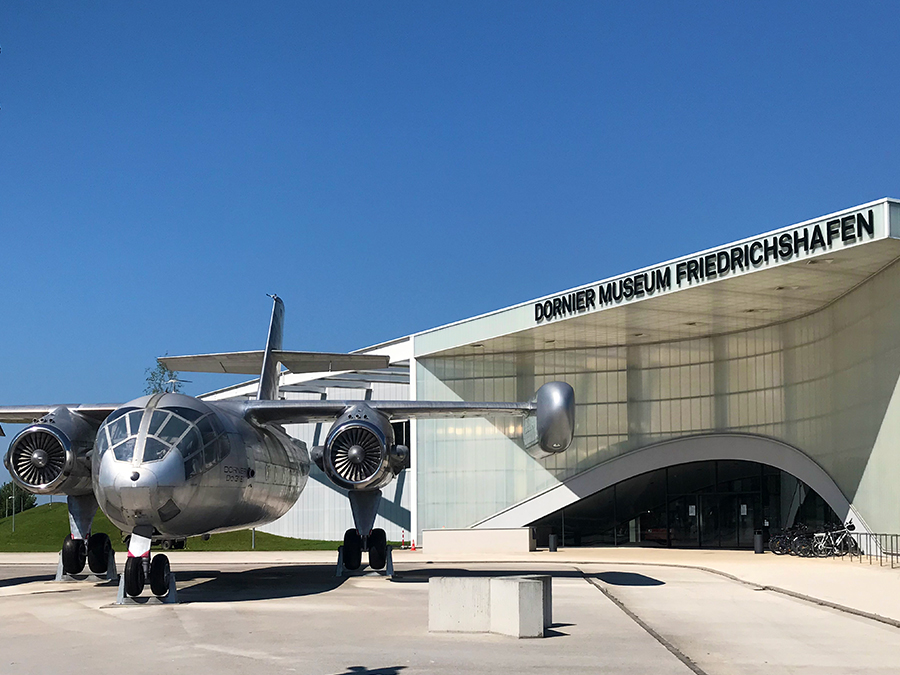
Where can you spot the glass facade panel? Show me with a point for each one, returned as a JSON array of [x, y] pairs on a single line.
[[738, 476], [693, 477]]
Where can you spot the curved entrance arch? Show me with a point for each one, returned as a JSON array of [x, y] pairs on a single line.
[[745, 447]]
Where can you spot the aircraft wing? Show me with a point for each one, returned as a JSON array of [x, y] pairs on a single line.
[[26, 414], [299, 412], [250, 363]]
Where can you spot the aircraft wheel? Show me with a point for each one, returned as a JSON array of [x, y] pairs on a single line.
[[159, 575], [73, 555], [134, 576], [98, 548], [166, 544], [352, 550], [377, 549]]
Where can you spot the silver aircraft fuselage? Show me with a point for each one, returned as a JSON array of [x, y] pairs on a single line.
[[185, 467]]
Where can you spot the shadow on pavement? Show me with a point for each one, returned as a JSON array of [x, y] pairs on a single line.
[[267, 583], [423, 575], [14, 581], [362, 670], [627, 579]]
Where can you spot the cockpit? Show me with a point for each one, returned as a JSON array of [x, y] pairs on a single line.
[[149, 434]]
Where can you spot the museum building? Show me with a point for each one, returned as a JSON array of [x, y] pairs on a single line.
[[749, 386]]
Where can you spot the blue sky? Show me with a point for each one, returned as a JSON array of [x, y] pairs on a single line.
[[390, 167]]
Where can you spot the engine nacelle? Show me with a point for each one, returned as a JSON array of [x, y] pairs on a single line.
[[359, 451], [552, 428], [52, 456], [555, 416]]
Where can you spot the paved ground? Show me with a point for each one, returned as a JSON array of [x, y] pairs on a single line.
[[622, 611]]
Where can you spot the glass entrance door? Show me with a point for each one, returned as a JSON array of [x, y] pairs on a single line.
[[709, 509], [728, 520], [684, 530], [748, 507]]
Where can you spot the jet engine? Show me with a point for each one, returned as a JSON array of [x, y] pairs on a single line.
[[359, 451], [52, 456]]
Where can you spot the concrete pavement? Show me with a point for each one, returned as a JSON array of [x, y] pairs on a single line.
[[617, 610], [863, 587]]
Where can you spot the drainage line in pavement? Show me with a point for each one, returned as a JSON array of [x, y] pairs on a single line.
[[758, 587], [677, 653]]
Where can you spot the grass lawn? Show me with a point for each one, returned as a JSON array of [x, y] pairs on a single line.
[[44, 527]]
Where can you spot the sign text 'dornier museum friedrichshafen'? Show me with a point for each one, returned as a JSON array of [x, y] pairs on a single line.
[[769, 250]]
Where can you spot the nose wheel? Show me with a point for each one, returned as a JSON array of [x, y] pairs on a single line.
[[159, 576], [134, 577], [141, 568]]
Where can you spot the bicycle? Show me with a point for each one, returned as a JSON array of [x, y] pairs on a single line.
[[835, 542]]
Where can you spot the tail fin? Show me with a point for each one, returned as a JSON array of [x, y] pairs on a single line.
[[268, 378]]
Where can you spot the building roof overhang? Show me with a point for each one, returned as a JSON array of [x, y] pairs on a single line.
[[825, 259]]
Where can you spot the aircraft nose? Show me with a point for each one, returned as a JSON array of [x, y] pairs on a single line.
[[137, 489]]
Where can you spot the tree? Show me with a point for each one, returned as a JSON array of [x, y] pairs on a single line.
[[160, 380], [23, 501]]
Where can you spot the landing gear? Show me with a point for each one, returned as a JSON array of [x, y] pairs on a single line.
[[73, 555], [134, 576], [377, 549], [364, 505], [98, 549], [352, 550], [159, 575], [75, 550], [141, 568]]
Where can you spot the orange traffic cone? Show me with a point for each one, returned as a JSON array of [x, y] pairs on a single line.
[[413, 544]]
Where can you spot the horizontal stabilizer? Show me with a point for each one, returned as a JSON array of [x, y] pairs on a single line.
[[250, 363]]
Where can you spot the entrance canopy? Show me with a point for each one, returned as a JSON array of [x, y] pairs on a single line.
[[756, 282]]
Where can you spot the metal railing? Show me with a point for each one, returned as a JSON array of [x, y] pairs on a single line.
[[880, 549]]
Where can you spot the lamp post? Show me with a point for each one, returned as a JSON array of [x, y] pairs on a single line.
[[14, 507], [8, 500]]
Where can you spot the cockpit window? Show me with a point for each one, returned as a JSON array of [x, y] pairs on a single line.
[[118, 431], [192, 443], [159, 416], [200, 437], [172, 430], [125, 450], [116, 414], [166, 428], [134, 422], [102, 444], [187, 413], [209, 445], [154, 449]]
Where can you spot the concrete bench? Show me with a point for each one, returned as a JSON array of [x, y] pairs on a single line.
[[519, 606]]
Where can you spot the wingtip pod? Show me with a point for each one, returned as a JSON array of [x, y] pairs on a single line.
[[555, 416]]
